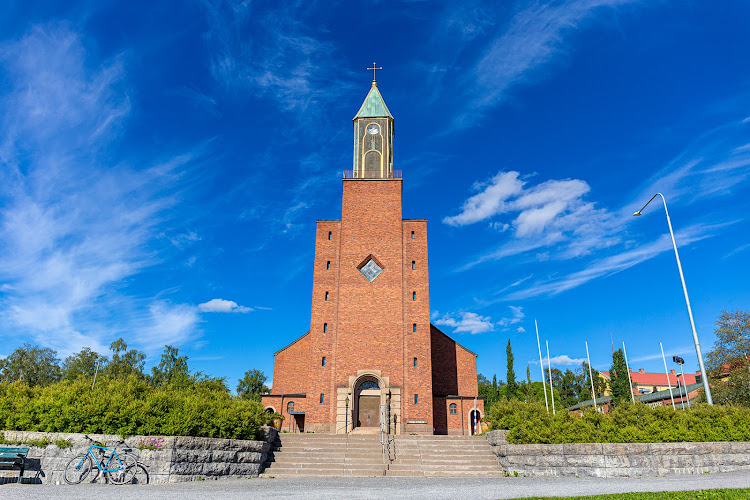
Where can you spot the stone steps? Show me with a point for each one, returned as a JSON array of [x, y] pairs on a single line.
[[362, 455]]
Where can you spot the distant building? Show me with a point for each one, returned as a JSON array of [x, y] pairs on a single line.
[[647, 382], [682, 396]]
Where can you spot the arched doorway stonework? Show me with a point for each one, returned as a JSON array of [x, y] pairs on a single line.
[[475, 415], [358, 404]]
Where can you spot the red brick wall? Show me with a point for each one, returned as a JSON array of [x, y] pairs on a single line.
[[444, 364], [467, 371], [321, 378], [459, 422], [290, 368]]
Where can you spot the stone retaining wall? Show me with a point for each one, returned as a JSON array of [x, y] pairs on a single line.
[[618, 459], [173, 459]]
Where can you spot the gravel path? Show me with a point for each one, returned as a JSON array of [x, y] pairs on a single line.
[[380, 488]]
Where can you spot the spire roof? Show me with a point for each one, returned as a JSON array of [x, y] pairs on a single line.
[[374, 105]]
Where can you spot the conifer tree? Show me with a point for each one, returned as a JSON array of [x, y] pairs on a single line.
[[512, 388], [619, 383]]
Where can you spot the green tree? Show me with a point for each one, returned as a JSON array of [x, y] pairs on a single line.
[[124, 362], [512, 386], [619, 382], [570, 386], [31, 364], [528, 390], [82, 364], [728, 362], [172, 369], [252, 385]]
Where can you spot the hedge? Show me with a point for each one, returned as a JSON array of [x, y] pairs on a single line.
[[129, 407], [529, 423]]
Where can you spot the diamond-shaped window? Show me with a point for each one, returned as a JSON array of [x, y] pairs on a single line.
[[371, 269]]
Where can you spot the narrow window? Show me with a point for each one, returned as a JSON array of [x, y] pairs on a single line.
[[324, 361], [416, 398], [290, 407], [328, 265], [325, 327], [330, 235], [322, 398], [414, 328], [413, 295], [326, 295], [412, 235], [415, 362], [413, 265], [453, 408]]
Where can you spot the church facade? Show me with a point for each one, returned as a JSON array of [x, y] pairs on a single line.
[[371, 356]]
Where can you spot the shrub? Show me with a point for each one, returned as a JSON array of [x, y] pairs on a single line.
[[129, 407], [529, 423]]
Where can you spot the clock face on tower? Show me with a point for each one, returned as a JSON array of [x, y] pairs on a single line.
[[373, 129]]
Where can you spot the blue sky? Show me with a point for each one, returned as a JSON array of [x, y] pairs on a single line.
[[162, 166]]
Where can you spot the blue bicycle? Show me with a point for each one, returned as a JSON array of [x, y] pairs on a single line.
[[118, 469]]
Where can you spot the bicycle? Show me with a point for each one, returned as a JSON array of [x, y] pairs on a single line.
[[123, 468]]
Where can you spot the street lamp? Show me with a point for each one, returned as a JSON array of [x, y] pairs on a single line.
[[709, 400], [681, 362], [346, 416]]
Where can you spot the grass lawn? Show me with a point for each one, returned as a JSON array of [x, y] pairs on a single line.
[[664, 495]]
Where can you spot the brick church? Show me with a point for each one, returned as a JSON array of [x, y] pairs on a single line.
[[372, 356]]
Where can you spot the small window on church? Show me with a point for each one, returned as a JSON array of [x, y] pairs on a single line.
[[330, 235], [325, 327], [415, 362], [413, 265], [324, 361], [414, 328], [452, 408], [328, 265], [290, 407], [322, 398], [416, 399], [326, 295], [412, 235], [413, 295], [371, 270]]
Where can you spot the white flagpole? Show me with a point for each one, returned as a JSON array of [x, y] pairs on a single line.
[[666, 372], [551, 389], [591, 375], [627, 366], [541, 365]]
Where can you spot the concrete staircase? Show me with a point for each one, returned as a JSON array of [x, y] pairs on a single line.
[[362, 455]]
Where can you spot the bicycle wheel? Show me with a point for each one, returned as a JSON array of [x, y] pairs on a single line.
[[127, 472], [77, 469]]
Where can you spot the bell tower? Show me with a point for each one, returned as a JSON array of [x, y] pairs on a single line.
[[373, 137]]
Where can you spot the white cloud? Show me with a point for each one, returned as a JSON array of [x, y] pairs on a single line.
[[469, 322], [223, 306], [521, 329], [549, 214], [517, 316], [167, 324], [561, 360]]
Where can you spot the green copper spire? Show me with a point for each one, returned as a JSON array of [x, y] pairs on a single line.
[[374, 105]]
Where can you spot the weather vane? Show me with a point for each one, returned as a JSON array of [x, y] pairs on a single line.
[[374, 68]]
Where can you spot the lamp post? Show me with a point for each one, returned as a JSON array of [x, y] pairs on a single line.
[[681, 362], [346, 416], [706, 387]]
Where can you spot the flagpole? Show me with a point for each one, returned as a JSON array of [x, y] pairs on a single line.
[[632, 397], [551, 387], [541, 365], [591, 375]]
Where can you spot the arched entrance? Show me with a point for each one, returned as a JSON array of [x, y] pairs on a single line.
[[366, 406]]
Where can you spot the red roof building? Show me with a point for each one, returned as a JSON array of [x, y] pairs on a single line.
[[647, 382]]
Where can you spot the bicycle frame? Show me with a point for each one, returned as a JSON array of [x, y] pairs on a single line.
[[103, 468]]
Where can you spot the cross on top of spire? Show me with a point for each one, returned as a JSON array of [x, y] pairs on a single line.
[[374, 68]]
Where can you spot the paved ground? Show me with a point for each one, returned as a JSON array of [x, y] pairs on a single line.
[[380, 488]]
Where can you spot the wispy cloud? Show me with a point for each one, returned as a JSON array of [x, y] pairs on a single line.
[[667, 353], [534, 38], [275, 51], [223, 306], [73, 224], [615, 263], [469, 322]]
